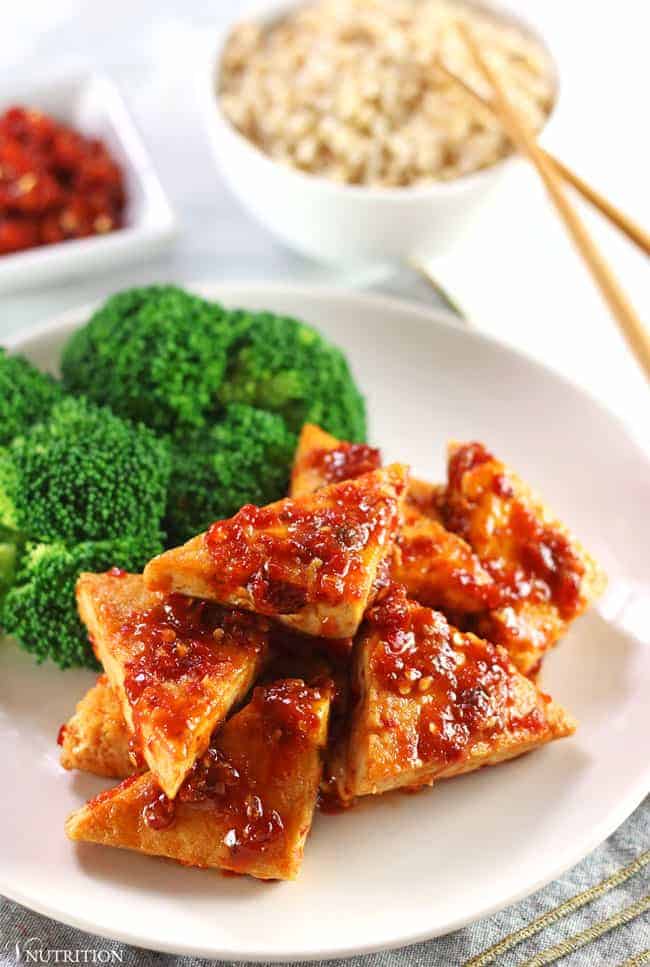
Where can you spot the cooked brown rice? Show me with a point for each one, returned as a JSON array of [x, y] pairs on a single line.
[[348, 89]]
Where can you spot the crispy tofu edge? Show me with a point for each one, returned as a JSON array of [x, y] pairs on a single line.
[[351, 770], [96, 738], [595, 579], [169, 767], [306, 480], [188, 570], [196, 838], [416, 526]]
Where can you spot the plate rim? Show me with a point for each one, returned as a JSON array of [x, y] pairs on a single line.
[[182, 949], [425, 315]]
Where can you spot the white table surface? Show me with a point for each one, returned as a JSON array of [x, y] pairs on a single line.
[[516, 276]]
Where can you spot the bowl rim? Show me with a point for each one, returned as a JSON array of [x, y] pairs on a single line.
[[266, 11]]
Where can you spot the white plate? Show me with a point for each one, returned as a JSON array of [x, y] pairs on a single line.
[[90, 102], [401, 868]]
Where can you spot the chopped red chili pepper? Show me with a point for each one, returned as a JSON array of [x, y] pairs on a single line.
[[55, 184]]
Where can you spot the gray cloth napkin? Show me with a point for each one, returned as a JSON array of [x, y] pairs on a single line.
[[617, 946]]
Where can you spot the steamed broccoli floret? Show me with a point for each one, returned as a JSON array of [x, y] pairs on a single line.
[[7, 566], [83, 491], [287, 367], [83, 475], [244, 459], [172, 360], [8, 487], [155, 354], [10, 548], [40, 610], [26, 395]]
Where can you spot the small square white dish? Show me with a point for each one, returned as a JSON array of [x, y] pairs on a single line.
[[90, 102]]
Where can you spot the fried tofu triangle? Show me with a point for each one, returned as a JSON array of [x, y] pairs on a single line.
[[437, 566], [434, 703], [248, 804], [545, 578], [97, 739], [312, 563], [178, 665], [320, 459]]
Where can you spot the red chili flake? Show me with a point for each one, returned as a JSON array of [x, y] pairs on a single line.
[[464, 460], [55, 184], [159, 813], [345, 462]]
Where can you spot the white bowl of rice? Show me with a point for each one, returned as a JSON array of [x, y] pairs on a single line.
[[333, 126]]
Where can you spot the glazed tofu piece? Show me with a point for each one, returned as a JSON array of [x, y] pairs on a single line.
[[545, 578], [433, 703], [177, 665], [437, 566], [97, 739], [312, 563], [320, 459], [249, 802]]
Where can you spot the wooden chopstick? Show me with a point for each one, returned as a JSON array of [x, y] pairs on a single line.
[[635, 333], [627, 225]]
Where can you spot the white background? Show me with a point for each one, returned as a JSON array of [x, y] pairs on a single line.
[[517, 276]]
